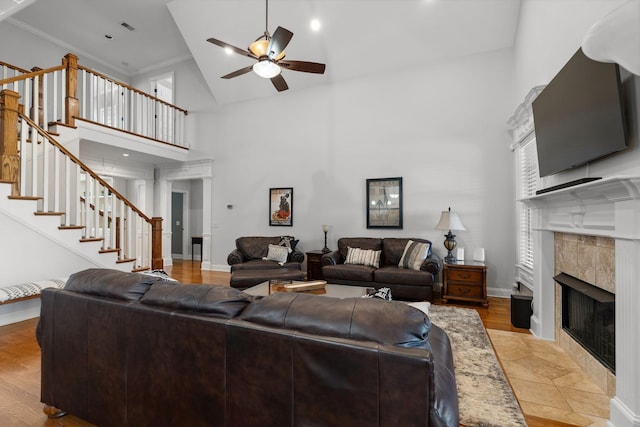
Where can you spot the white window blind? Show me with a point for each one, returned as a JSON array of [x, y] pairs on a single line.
[[528, 181]]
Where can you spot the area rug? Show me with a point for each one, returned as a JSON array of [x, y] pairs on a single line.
[[484, 395]]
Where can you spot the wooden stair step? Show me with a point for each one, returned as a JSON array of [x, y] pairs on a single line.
[[25, 198], [139, 269], [106, 251], [70, 227], [91, 239], [48, 213], [123, 260]]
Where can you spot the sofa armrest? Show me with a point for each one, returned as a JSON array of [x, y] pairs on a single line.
[[331, 258], [296, 256], [235, 257], [431, 264]]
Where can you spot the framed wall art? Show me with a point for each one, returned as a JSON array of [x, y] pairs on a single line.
[[384, 203], [281, 206]]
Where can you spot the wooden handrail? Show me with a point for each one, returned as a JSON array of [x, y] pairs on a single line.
[[13, 67], [32, 74], [131, 88], [84, 167]]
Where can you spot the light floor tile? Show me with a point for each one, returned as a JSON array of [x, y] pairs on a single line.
[[547, 382]]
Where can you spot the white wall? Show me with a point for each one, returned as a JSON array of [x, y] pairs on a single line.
[[21, 253], [26, 50], [549, 33], [442, 128]]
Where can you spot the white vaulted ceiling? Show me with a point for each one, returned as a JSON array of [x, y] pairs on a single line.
[[357, 38]]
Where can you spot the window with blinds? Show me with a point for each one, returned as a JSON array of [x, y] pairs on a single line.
[[528, 181]]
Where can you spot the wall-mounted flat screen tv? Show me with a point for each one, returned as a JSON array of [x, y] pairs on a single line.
[[579, 115]]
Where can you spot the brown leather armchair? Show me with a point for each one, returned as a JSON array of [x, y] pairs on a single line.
[[248, 268]]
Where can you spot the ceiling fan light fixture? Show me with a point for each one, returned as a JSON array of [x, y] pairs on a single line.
[[266, 69], [259, 47]]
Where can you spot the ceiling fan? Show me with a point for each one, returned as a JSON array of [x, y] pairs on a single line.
[[269, 53]]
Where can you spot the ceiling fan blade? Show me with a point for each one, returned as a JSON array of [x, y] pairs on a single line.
[[233, 48], [237, 73], [304, 66], [278, 42], [279, 83]]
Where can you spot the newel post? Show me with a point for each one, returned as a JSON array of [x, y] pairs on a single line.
[[71, 101], [9, 158], [156, 243]]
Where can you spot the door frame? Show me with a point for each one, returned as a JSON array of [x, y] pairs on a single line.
[[186, 238]]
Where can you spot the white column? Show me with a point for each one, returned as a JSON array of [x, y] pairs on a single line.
[[625, 406], [543, 318], [207, 224]]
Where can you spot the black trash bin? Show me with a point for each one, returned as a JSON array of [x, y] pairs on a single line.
[[521, 311]]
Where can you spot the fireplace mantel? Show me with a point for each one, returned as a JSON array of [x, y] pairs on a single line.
[[609, 207], [605, 207]]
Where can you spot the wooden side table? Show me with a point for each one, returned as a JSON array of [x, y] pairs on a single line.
[[465, 281], [314, 265]]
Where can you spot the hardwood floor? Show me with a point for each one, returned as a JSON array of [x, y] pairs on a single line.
[[20, 357]]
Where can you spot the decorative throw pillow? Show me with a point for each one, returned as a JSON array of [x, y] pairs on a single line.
[[367, 257], [414, 255], [288, 242], [277, 253]]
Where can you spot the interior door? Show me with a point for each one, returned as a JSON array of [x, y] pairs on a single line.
[[177, 223]]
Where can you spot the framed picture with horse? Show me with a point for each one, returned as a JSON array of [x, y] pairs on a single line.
[[281, 206], [384, 203]]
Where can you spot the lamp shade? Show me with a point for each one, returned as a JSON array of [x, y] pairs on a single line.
[[450, 221]]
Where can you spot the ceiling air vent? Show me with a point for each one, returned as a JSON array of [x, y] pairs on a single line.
[[127, 26]]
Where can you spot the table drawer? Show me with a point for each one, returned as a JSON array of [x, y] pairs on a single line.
[[469, 291], [470, 276]]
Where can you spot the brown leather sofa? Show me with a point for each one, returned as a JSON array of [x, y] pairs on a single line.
[[248, 267], [404, 283], [119, 349]]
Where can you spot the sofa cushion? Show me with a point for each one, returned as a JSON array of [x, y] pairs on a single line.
[[277, 254], [393, 248], [360, 273], [259, 264], [414, 255], [255, 247], [402, 276], [212, 300], [362, 319], [366, 257], [372, 243], [110, 283], [289, 242]]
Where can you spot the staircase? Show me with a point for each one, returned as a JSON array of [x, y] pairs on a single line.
[[44, 185]]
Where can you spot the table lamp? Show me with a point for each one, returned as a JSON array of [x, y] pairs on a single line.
[[450, 221], [325, 228]]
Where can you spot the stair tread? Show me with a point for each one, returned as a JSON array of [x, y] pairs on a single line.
[[138, 269], [92, 239], [25, 198], [70, 227], [120, 261], [48, 213], [105, 251]]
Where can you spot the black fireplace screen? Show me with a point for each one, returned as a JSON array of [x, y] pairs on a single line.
[[588, 315]]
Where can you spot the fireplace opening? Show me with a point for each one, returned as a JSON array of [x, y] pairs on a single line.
[[588, 316]]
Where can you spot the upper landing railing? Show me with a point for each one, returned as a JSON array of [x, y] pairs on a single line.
[[70, 91]]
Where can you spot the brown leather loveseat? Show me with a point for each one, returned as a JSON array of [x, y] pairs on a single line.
[[119, 349], [405, 283]]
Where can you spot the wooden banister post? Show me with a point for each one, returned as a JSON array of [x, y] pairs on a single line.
[[9, 158], [71, 100], [38, 92], [156, 243]]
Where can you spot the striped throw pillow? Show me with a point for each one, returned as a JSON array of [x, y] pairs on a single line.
[[367, 257], [414, 255]]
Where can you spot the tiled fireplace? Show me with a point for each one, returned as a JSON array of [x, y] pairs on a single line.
[[592, 232], [590, 259]]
